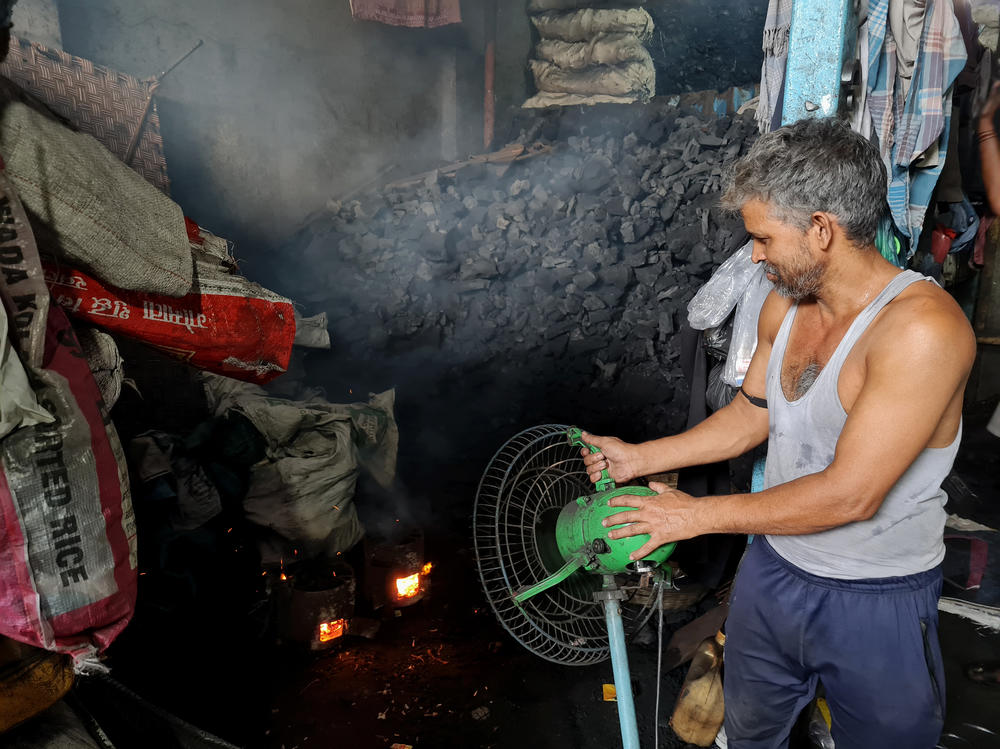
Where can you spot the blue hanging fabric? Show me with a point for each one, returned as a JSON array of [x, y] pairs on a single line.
[[908, 129], [964, 221], [757, 478]]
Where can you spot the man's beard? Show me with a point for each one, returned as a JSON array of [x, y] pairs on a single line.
[[800, 279]]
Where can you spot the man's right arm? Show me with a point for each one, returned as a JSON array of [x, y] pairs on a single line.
[[728, 433]]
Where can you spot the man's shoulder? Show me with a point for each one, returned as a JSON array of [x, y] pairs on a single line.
[[926, 317], [772, 313], [925, 305]]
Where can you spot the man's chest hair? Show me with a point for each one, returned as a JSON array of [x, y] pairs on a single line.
[[810, 348], [797, 378]]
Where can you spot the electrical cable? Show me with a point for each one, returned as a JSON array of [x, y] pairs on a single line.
[[657, 591], [659, 666], [89, 721]]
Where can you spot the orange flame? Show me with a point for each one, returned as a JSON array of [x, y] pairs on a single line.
[[426, 569], [331, 630], [408, 587]]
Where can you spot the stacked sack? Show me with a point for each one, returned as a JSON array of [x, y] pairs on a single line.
[[591, 55], [119, 254], [84, 236]]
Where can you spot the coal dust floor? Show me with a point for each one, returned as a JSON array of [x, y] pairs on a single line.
[[445, 674]]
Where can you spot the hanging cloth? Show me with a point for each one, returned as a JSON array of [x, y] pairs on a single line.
[[915, 123], [411, 13], [777, 25]]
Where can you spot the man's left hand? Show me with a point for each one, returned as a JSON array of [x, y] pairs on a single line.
[[669, 516]]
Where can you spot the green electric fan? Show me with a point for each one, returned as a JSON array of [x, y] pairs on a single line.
[[554, 579]]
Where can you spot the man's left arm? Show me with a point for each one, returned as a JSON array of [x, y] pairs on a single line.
[[912, 378]]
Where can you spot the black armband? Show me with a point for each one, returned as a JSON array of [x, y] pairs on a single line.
[[759, 402]]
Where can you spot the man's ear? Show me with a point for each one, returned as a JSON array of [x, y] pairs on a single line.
[[822, 227]]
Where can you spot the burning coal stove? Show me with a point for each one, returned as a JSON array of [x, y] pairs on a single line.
[[396, 573], [315, 603]]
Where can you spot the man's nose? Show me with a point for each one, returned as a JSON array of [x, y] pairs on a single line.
[[758, 253]]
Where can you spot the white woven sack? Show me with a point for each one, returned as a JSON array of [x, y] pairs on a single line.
[[610, 49], [584, 25]]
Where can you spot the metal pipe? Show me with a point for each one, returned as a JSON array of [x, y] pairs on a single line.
[[619, 664], [157, 80]]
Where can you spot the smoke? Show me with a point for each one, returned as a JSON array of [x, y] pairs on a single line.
[[549, 290], [277, 128]]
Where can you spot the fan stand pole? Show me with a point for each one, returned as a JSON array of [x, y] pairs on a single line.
[[611, 596]]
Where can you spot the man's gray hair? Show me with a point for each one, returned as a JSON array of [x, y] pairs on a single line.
[[816, 164]]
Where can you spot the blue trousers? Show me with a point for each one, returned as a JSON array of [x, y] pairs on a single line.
[[873, 644]]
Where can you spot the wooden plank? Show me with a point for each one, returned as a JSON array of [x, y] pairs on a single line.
[[987, 317], [685, 641], [507, 155], [984, 382]]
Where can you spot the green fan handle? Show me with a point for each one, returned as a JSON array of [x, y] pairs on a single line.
[[575, 437]]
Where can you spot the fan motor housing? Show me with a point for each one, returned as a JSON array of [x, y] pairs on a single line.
[[579, 528]]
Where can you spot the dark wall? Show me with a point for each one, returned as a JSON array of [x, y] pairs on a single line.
[[289, 105], [290, 108], [699, 45]]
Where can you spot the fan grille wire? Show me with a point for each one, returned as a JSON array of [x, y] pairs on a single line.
[[533, 476]]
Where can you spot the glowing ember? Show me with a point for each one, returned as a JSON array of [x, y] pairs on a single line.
[[331, 630], [283, 576], [407, 587], [426, 569]]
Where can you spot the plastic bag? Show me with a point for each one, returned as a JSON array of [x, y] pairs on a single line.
[[718, 394], [744, 338], [717, 298], [716, 340], [819, 732]]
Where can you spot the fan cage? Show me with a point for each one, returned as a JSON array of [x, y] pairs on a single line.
[[533, 476]]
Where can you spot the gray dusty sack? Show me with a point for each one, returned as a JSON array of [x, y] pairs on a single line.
[[88, 208]]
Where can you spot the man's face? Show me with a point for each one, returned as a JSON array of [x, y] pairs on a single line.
[[789, 261]]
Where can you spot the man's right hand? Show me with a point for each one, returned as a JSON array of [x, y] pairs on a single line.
[[619, 458]]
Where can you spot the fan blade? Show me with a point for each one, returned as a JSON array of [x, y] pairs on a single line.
[[575, 562]]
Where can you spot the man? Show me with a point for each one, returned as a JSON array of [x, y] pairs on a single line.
[[857, 387]]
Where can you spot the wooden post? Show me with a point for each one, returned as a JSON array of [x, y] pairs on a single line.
[[984, 382], [489, 93]]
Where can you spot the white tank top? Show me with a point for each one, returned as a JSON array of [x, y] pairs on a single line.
[[906, 535]]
